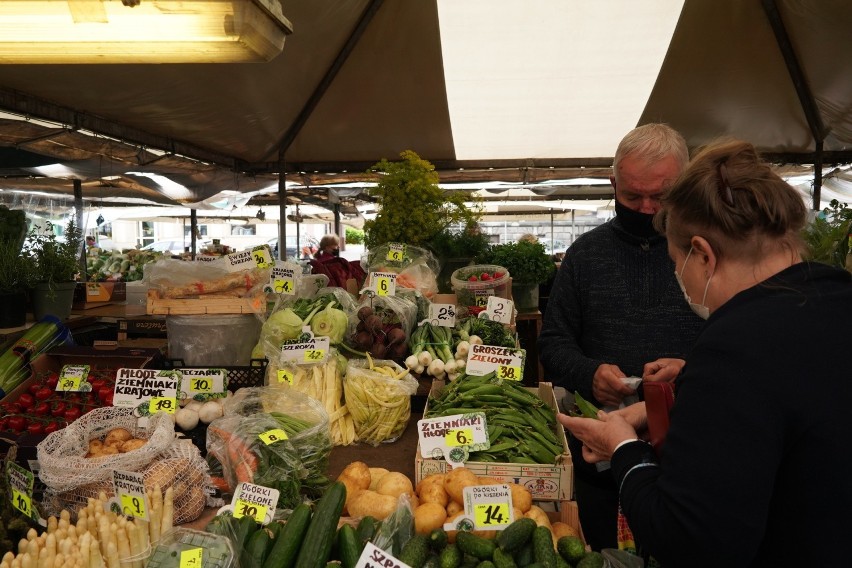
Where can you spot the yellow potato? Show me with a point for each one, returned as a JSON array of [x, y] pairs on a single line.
[[395, 484], [358, 473], [376, 473], [117, 435], [434, 493], [453, 508], [456, 481], [561, 529], [451, 535], [521, 497], [430, 479], [131, 444], [487, 481], [539, 516], [352, 491], [370, 503], [428, 517]]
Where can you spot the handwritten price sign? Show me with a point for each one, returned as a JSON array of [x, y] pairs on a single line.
[[460, 437], [163, 404]]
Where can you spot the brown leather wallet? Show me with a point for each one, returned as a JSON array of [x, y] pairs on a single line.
[[659, 398]]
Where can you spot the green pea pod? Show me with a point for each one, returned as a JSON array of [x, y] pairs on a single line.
[[587, 409]]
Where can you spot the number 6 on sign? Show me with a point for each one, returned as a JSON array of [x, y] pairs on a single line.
[[460, 437]]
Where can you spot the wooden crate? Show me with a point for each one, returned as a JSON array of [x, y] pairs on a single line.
[[209, 304]]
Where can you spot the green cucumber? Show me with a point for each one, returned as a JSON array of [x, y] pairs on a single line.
[[543, 550], [571, 549], [485, 564], [451, 556], [286, 547], [592, 560], [320, 535], [474, 545], [415, 551], [258, 547], [432, 562], [438, 539], [516, 534], [348, 546], [503, 559], [366, 530], [524, 556]]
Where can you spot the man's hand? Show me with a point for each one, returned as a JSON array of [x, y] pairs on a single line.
[[607, 386], [663, 370], [600, 437]]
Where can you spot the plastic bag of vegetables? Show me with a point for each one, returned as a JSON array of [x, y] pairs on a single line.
[[322, 382], [416, 268], [382, 326], [303, 419], [378, 395]]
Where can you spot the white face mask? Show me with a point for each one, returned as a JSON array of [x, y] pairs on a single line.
[[700, 310]]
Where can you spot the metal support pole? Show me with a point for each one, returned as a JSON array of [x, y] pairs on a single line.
[[817, 175], [193, 230], [282, 208]]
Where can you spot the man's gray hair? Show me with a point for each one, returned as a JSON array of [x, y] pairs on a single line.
[[653, 142]]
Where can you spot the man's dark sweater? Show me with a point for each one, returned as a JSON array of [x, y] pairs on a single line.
[[615, 300]]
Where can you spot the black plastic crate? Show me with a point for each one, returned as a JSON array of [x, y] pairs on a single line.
[[251, 375]]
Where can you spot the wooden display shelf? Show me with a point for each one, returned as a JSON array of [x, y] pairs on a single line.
[[211, 304]]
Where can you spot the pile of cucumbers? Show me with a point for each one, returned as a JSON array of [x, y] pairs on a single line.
[[313, 540], [521, 545]]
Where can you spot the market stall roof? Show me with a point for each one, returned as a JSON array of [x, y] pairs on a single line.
[[487, 90]]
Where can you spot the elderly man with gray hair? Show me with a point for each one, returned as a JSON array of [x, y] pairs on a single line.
[[616, 310]]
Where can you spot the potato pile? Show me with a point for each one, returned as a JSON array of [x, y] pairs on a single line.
[[116, 441], [441, 497], [374, 491]]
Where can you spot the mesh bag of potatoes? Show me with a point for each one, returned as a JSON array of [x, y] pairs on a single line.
[[180, 467], [105, 439]]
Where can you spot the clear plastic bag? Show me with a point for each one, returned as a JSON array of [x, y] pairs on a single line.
[[307, 424], [181, 279], [322, 382], [380, 405], [397, 529], [61, 454], [417, 269]]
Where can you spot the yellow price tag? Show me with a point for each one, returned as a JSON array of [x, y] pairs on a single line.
[[509, 373], [383, 286], [481, 301], [285, 376], [460, 437], [261, 257], [163, 404], [488, 514], [249, 509], [133, 505], [191, 558], [272, 436], [201, 384], [314, 355], [69, 384], [396, 253], [22, 502], [284, 286]]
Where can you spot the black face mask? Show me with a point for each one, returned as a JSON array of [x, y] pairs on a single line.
[[636, 223]]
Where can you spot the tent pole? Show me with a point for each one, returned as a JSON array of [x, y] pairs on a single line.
[[282, 207], [817, 174], [193, 231], [552, 240]]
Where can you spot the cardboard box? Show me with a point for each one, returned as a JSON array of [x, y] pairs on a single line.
[[545, 482], [95, 294]]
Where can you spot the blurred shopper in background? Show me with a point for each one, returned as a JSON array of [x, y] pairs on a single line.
[[615, 309]]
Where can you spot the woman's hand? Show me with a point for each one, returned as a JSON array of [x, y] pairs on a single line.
[[665, 369], [600, 437]]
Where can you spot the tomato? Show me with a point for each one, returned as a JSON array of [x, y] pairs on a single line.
[[74, 398], [26, 400], [104, 393], [17, 423], [4, 423], [97, 384], [485, 277], [41, 409], [52, 427], [58, 410], [33, 388], [473, 278], [498, 275], [43, 393], [36, 428], [72, 414], [11, 407]]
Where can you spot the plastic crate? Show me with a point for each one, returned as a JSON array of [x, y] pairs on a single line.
[[251, 375]]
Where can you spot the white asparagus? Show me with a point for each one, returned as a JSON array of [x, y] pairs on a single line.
[[123, 544], [8, 557], [144, 534], [31, 534], [27, 561], [112, 560], [135, 550], [51, 524], [168, 511], [32, 550], [96, 560]]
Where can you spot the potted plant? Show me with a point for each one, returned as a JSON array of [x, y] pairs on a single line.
[[529, 265], [412, 208], [827, 236], [57, 263], [457, 248], [16, 270]]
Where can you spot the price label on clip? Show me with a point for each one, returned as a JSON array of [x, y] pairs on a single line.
[[314, 355], [22, 502], [262, 257], [490, 506], [385, 283], [255, 501], [201, 384], [283, 280], [191, 558], [272, 436], [285, 376], [459, 437], [509, 373], [129, 489], [71, 378], [442, 315], [396, 252], [248, 509]]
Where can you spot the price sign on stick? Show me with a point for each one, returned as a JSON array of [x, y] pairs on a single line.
[[72, 377], [130, 493], [283, 280], [191, 558], [490, 506], [442, 314], [396, 252], [254, 501], [505, 362], [163, 404], [499, 309], [21, 483], [262, 256], [453, 437]]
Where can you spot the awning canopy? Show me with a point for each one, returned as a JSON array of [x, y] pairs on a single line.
[[487, 90]]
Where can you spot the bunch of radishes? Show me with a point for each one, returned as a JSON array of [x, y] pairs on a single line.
[[380, 334]]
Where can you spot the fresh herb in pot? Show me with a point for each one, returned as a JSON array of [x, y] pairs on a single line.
[[526, 261]]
